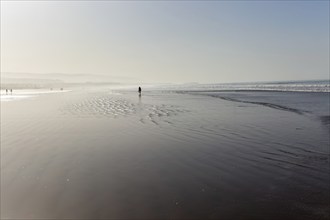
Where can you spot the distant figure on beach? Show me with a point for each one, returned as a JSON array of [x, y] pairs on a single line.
[[11, 91], [6, 91], [140, 90]]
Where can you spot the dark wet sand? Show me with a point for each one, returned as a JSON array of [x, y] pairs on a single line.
[[95, 154]]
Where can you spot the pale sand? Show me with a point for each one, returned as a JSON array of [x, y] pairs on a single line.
[[101, 154]]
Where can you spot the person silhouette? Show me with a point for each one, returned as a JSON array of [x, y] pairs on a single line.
[[140, 90]]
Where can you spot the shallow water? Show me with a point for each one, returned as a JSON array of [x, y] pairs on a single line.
[[99, 154]]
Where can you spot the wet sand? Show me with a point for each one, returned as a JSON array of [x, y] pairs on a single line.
[[93, 154]]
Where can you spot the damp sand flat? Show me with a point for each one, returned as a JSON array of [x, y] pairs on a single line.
[[98, 154]]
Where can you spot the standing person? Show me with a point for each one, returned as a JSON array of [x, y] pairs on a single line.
[[6, 91], [140, 90]]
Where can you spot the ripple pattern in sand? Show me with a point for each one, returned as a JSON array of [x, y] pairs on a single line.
[[160, 113], [114, 107], [100, 106]]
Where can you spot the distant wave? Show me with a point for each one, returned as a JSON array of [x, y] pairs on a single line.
[[292, 86]]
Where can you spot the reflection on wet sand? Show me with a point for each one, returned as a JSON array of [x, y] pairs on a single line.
[[160, 156]]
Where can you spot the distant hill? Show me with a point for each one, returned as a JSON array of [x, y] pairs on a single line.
[[67, 77], [29, 81], [52, 80]]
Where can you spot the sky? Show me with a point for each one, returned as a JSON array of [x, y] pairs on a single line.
[[168, 41]]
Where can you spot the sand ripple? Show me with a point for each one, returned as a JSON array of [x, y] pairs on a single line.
[[102, 106], [113, 107]]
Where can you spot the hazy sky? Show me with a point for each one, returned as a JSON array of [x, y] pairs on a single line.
[[168, 41]]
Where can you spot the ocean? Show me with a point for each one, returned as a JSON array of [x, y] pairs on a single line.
[[290, 86]]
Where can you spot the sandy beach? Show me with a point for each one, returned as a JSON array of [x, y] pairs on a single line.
[[97, 153]]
